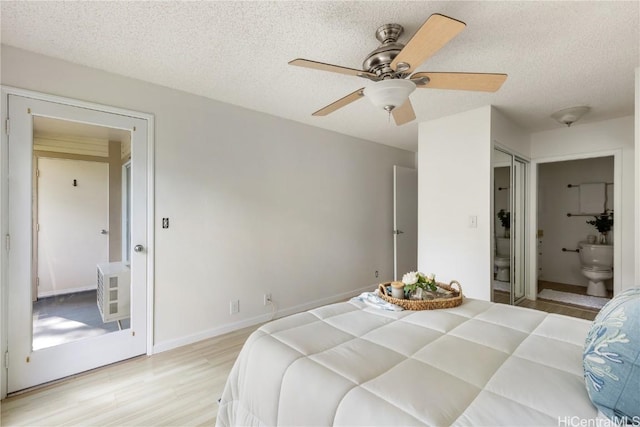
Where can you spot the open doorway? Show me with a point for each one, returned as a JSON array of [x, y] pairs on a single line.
[[575, 217]]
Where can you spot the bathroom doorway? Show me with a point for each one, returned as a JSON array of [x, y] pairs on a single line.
[[574, 237], [509, 213]]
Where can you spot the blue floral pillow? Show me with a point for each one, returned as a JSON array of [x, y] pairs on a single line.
[[611, 358]]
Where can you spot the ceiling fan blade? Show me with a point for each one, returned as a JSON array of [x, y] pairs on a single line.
[[431, 37], [353, 96], [485, 82], [404, 113], [328, 67]]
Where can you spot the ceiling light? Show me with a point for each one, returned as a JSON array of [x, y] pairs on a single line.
[[569, 115], [390, 93]]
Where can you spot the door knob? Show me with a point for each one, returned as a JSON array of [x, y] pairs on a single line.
[[398, 232], [138, 248]]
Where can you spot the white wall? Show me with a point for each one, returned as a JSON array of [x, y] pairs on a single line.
[[608, 137], [637, 177], [508, 135], [70, 244], [257, 203], [454, 183], [555, 200]]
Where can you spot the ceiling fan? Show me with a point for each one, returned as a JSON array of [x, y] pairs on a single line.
[[390, 65]]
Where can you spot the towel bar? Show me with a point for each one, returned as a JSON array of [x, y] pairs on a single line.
[[590, 214], [578, 185]]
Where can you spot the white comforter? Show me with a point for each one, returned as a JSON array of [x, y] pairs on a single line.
[[479, 364]]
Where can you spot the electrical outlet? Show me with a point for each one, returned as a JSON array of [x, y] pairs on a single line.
[[267, 299], [376, 273], [165, 222], [234, 306]]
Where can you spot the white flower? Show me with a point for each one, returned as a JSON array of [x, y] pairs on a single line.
[[431, 277], [410, 278]]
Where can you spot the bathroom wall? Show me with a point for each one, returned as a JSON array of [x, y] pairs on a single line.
[[558, 230]]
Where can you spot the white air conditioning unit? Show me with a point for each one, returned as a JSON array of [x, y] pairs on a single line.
[[114, 291]]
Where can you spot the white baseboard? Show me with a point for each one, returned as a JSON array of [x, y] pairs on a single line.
[[55, 292], [230, 327]]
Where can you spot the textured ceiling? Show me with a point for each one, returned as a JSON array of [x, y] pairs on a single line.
[[557, 54]]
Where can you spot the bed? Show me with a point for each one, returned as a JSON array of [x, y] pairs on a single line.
[[477, 364]]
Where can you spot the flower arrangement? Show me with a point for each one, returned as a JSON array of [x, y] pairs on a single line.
[[414, 280], [602, 222], [505, 218]]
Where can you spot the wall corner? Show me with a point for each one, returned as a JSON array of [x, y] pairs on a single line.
[[637, 177]]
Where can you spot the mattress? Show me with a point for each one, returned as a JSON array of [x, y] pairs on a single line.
[[351, 364]]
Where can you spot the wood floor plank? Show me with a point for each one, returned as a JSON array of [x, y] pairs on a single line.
[[179, 387]]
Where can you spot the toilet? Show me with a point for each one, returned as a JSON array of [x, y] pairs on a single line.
[[502, 258], [597, 266]]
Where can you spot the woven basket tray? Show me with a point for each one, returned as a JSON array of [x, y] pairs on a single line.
[[431, 304]]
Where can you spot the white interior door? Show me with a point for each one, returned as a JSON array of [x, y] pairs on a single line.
[[73, 223], [29, 366], [405, 221]]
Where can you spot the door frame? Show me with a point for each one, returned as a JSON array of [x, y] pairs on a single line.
[[617, 207], [525, 194], [4, 209]]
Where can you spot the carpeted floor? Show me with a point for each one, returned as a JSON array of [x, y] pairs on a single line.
[[65, 318]]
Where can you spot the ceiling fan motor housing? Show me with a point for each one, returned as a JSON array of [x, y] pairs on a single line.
[[379, 60]]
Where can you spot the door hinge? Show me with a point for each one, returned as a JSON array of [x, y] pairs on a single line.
[[6, 359], [37, 227], [7, 241], [6, 126], [37, 281], [37, 173]]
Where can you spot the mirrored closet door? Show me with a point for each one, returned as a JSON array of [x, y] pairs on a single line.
[[509, 227]]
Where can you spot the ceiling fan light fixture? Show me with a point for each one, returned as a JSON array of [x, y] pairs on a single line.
[[568, 116], [389, 94]]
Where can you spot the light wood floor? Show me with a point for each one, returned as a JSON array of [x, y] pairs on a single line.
[[180, 387]]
